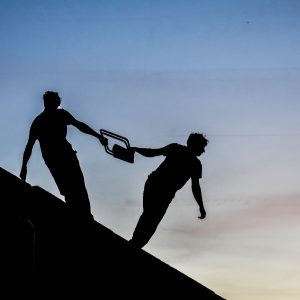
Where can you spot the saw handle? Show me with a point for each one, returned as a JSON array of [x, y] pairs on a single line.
[[118, 151]]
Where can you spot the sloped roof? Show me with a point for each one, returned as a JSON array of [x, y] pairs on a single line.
[[45, 254]]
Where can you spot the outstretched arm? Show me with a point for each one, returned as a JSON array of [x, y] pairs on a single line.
[[88, 130], [196, 189], [27, 154], [148, 152]]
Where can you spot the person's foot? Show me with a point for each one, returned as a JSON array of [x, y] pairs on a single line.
[[133, 244]]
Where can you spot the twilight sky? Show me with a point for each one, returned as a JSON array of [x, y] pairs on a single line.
[[154, 71]]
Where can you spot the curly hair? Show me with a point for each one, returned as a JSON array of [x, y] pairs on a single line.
[[196, 139], [51, 99]]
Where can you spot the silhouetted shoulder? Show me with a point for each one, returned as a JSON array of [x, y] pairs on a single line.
[[36, 123], [37, 118], [69, 119], [167, 150], [58, 114], [176, 148]]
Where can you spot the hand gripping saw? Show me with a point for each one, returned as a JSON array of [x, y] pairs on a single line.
[[123, 153]]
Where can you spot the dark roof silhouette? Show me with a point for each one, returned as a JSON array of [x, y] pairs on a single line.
[[44, 255]]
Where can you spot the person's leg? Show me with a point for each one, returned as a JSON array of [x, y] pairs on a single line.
[[146, 226], [155, 206], [70, 181], [78, 206]]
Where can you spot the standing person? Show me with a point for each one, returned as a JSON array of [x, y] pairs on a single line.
[[50, 129], [181, 164]]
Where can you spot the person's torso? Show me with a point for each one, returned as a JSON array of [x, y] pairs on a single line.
[[178, 167], [50, 128]]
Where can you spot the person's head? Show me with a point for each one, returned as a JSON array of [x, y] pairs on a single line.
[[196, 142], [51, 100]]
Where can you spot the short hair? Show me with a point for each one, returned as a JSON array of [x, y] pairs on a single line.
[[196, 139], [51, 98]]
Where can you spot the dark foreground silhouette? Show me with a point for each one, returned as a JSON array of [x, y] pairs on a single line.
[[50, 129], [180, 165], [46, 257]]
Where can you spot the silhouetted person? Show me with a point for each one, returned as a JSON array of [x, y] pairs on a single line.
[[181, 164], [50, 129]]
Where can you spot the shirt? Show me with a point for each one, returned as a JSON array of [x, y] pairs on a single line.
[[177, 168]]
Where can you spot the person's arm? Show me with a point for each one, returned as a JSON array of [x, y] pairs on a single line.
[[148, 152], [27, 154], [196, 189], [87, 130]]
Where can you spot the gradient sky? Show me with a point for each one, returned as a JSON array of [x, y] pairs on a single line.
[[154, 71]]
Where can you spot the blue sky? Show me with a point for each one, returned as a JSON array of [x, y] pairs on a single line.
[[154, 71]]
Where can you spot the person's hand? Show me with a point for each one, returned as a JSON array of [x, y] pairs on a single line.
[[23, 173], [103, 140], [202, 213]]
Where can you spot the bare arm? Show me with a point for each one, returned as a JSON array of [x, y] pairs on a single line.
[[148, 152], [196, 189], [27, 154], [88, 130]]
